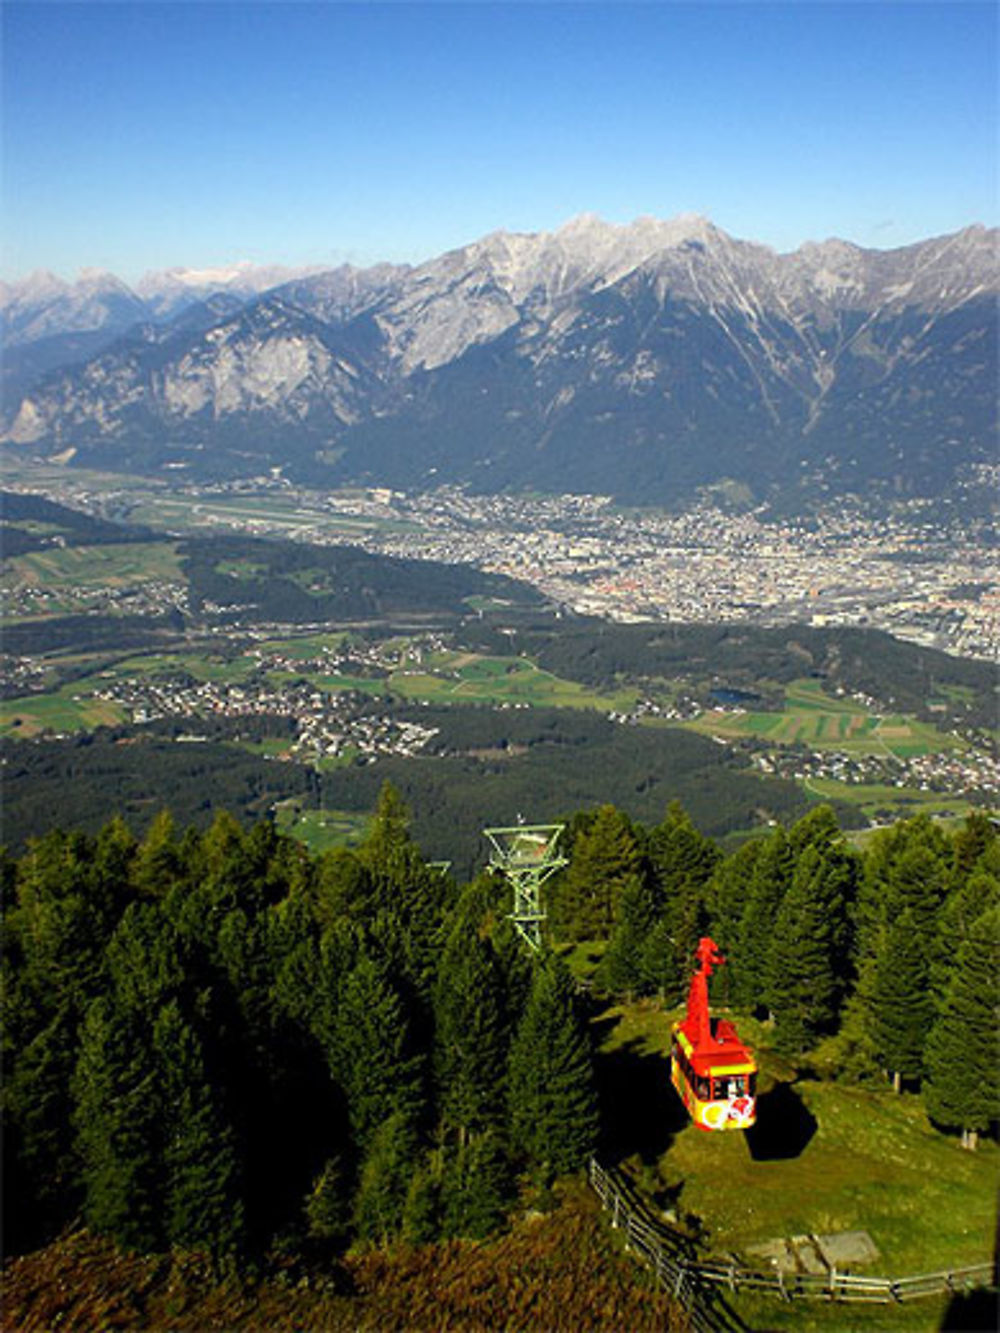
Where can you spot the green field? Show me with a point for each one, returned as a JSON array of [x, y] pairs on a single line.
[[66, 710], [89, 567], [872, 1162], [321, 829], [874, 796], [474, 679], [813, 718]]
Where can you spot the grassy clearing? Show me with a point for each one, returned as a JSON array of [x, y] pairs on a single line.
[[822, 722], [874, 798], [203, 666], [83, 567], [847, 1158], [474, 679], [66, 710], [321, 830], [304, 648]]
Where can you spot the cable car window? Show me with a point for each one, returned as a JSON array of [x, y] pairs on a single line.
[[727, 1088], [701, 1089]]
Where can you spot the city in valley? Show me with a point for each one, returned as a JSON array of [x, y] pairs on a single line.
[[911, 570]]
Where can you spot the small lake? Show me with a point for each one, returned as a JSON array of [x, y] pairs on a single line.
[[724, 695]]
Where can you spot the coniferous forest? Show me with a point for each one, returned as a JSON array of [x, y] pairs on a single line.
[[216, 1042]]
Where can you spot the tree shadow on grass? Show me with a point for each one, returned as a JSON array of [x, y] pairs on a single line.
[[973, 1312], [784, 1128], [640, 1112]]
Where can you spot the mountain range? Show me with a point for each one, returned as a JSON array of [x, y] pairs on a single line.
[[644, 361]]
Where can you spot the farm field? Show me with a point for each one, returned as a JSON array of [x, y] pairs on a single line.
[[813, 718], [833, 1158], [86, 567], [68, 709], [473, 679], [873, 797]]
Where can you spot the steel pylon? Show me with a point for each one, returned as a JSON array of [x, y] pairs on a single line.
[[526, 856]]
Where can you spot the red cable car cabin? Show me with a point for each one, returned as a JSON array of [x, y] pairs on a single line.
[[714, 1073]]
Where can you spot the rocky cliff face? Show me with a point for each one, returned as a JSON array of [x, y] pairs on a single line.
[[643, 361]]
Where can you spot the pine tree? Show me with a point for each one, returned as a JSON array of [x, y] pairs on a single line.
[[117, 1121], [818, 828], [902, 1001], [202, 1207], [963, 908], [371, 1055], [156, 866], [800, 982], [472, 1034], [770, 880], [386, 1173], [605, 857], [478, 1188], [327, 1206], [726, 898], [422, 1210], [661, 968], [39, 1158], [622, 967], [553, 1104], [681, 857], [963, 1049]]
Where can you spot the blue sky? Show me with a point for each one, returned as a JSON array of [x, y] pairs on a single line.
[[143, 135]]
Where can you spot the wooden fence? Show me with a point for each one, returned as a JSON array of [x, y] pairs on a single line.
[[692, 1281]]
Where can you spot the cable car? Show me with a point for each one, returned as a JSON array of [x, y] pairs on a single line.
[[714, 1073]]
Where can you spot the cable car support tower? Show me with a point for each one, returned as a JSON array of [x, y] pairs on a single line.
[[526, 856]]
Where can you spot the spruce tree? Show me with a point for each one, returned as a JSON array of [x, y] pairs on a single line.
[[681, 857], [371, 1055], [963, 1049], [818, 828], [553, 1103], [201, 1202], [800, 981], [726, 897], [327, 1205], [963, 908], [403, 888], [971, 843], [422, 1209], [117, 1123], [622, 968], [770, 880], [604, 858], [156, 867], [39, 1155], [478, 1188], [386, 1172], [472, 1035], [902, 1000], [661, 968]]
